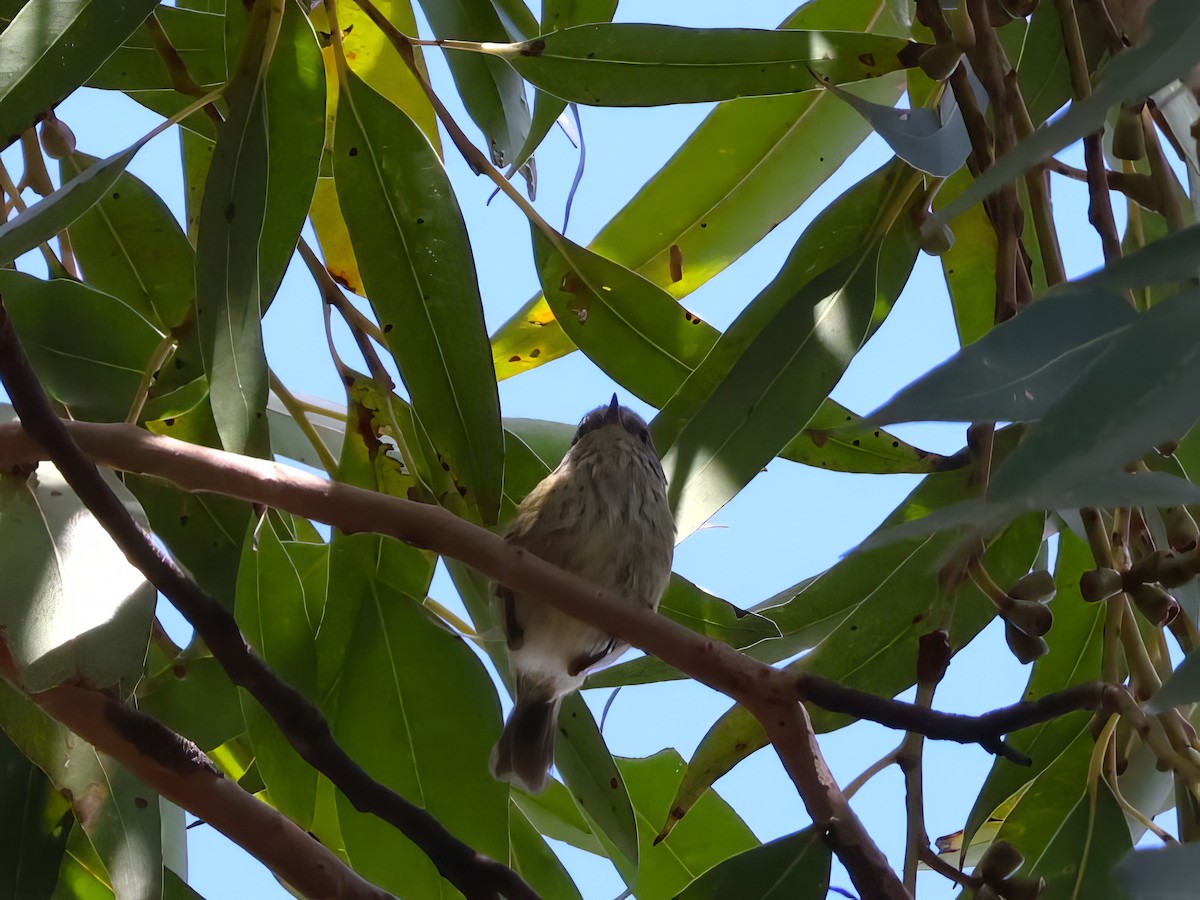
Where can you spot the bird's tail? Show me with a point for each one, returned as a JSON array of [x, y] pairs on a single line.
[[525, 751]]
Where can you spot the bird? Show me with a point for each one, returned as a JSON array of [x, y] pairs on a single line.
[[603, 515]]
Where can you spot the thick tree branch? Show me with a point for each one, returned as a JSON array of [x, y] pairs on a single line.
[[305, 727], [756, 685], [178, 770]]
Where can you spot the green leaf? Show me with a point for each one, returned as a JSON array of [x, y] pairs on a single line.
[[535, 862], [1172, 258], [50, 48], [704, 614], [39, 817], [778, 361], [118, 812], [842, 441], [554, 814], [418, 711], [493, 94], [229, 278], [1016, 372], [597, 785], [636, 64], [1160, 873], [1080, 859], [795, 867], [89, 349], [714, 834], [556, 15], [630, 328], [417, 267], [1170, 51], [280, 620], [294, 107], [1074, 658], [198, 37], [53, 214], [749, 165], [195, 698], [82, 876], [129, 245], [1182, 688], [73, 606], [1113, 413]]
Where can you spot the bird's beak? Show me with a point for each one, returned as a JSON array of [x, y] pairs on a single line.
[[614, 410]]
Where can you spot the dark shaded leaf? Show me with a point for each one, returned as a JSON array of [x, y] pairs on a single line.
[[795, 867], [129, 245], [89, 349], [1016, 372], [50, 48]]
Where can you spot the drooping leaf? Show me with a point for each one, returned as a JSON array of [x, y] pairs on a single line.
[[418, 270], [403, 671], [129, 245], [636, 64], [229, 293], [280, 622], [1159, 873], [493, 94], [554, 813], [715, 834], [73, 606], [772, 369], [89, 349], [1113, 414], [535, 862], [598, 785], [1172, 258], [795, 867], [53, 46]]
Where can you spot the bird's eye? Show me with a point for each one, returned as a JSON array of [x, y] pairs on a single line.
[[644, 434]]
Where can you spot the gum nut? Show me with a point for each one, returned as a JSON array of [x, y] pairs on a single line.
[[1025, 648], [1155, 603], [1038, 586], [58, 140], [1099, 584], [1182, 531], [1031, 617], [935, 239], [1129, 141]]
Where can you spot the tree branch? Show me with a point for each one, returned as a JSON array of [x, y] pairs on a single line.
[[306, 728], [757, 686], [178, 770]]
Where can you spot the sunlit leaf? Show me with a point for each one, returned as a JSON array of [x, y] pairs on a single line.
[[636, 64]]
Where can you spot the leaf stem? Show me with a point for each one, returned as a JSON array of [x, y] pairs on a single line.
[[300, 417]]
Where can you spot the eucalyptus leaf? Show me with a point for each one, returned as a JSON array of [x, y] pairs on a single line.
[[419, 273], [795, 867], [635, 64], [53, 46]]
